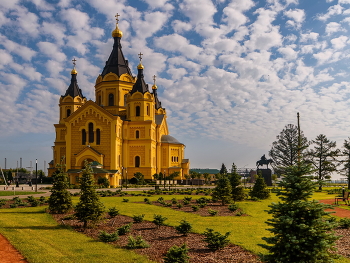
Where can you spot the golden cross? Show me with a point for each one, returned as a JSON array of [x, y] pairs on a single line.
[[74, 61], [154, 78], [117, 17], [140, 56]]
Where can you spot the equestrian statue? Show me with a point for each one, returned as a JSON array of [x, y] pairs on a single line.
[[263, 161]]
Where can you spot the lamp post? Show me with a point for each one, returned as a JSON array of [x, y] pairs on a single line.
[[36, 175], [164, 178]]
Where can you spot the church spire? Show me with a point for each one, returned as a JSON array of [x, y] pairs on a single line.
[[116, 62], [140, 84], [158, 104], [73, 89]]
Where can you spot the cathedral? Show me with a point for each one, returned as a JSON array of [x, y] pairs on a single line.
[[122, 132]]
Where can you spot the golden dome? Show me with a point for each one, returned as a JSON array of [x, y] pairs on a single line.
[[74, 72], [140, 66], [117, 32], [154, 86]]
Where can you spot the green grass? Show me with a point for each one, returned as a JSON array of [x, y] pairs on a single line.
[[64, 245], [11, 193]]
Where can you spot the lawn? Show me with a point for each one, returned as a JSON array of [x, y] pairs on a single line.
[[33, 231], [10, 193]]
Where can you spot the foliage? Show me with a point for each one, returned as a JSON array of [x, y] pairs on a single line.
[[302, 229], [179, 205], [123, 230], [184, 228], [113, 212], [212, 212], [235, 180], [284, 151], [137, 242], [260, 190], [177, 254], [105, 237], [344, 223], [159, 220], [138, 218], [125, 200], [215, 240], [103, 182], [89, 207], [233, 207], [324, 158], [195, 208], [60, 200], [223, 190], [345, 153], [223, 169], [206, 177], [140, 177]]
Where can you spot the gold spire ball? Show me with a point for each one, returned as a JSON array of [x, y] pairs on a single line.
[[117, 32], [74, 71], [154, 85], [140, 66]]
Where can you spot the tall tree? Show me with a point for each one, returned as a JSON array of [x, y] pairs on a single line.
[[223, 169], [223, 190], [324, 158], [89, 208], [235, 180], [260, 190], [284, 151], [345, 153], [206, 177]]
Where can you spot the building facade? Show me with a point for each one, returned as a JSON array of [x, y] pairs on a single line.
[[122, 132]]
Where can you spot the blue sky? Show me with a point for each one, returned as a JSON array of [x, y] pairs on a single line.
[[231, 73]]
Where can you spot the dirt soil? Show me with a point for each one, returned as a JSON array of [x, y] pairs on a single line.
[[8, 253]]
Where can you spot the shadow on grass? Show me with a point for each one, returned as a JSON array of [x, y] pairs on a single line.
[[57, 227]]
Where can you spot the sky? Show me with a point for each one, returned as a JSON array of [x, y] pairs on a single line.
[[230, 73]]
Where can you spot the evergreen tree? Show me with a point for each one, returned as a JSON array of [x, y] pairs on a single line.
[[284, 151], [237, 189], [89, 208], [324, 158], [346, 161], [60, 200], [223, 190], [139, 176], [223, 169], [260, 188], [302, 229]]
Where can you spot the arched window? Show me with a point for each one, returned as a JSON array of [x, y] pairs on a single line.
[[68, 113], [148, 110], [137, 161], [137, 135], [111, 99], [83, 137], [98, 136], [138, 111], [91, 132]]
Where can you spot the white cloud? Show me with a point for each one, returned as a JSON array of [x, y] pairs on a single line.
[[298, 16], [23, 51], [339, 42], [180, 26], [162, 4], [42, 5], [312, 36], [332, 11], [52, 51], [152, 23], [288, 52], [55, 30], [333, 27]]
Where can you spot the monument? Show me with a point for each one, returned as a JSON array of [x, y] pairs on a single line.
[[266, 173]]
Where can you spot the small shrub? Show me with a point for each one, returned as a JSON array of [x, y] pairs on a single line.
[[184, 227], [168, 204], [137, 242], [113, 212], [125, 200], [186, 202], [195, 208], [174, 201], [159, 220], [105, 237], [188, 198], [344, 223], [240, 213], [146, 200], [179, 205], [42, 199], [160, 200], [14, 205], [202, 205], [255, 199], [215, 240], [123, 230], [35, 203], [177, 254], [138, 218], [233, 207], [212, 212], [30, 198]]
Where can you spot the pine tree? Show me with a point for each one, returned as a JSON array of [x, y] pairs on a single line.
[[284, 151], [346, 161], [223, 169], [89, 208], [60, 200], [237, 189], [223, 190], [324, 158], [302, 229], [260, 188]]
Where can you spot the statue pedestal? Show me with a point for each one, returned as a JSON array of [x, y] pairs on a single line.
[[267, 175]]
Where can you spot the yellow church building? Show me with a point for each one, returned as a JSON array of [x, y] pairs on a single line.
[[122, 132]]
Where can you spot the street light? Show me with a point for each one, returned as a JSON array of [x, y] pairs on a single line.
[[36, 175]]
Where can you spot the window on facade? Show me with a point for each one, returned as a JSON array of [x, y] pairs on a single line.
[[68, 112], [137, 161], [138, 111], [147, 110], [98, 136], [111, 100], [99, 102], [83, 137], [137, 135], [91, 132]]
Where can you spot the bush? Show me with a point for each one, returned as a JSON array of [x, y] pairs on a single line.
[[30, 198], [137, 242], [113, 212], [184, 227], [159, 220], [42, 199], [195, 208], [69, 217], [14, 205], [215, 240], [146, 200], [174, 201], [186, 202], [260, 190], [138, 218], [35, 203], [105, 237], [202, 205], [177, 255], [212, 212], [123, 230], [233, 207], [179, 205], [125, 200], [344, 223], [188, 198]]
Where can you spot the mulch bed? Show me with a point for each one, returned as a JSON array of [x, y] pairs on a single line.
[[161, 239]]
